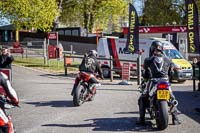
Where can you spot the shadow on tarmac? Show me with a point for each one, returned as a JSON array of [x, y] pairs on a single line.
[[188, 101], [99, 89], [52, 103], [128, 113], [111, 124]]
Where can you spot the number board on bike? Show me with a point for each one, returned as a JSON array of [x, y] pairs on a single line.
[[163, 94]]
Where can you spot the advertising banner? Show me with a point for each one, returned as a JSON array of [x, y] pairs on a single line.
[[192, 26], [133, 31]]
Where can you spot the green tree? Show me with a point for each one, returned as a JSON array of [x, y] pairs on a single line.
[[93, 13], [38, 14], [163, 12]]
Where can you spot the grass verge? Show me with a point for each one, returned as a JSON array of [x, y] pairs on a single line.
[[52, 66]]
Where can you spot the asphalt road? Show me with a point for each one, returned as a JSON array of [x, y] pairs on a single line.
[[46, 107]]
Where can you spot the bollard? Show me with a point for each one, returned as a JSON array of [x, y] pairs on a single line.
[[111, 69], [65, 65], [66, 70], [45, 51], [71, 51], [199, 79], [193, 78], [26, 52], [198, 87], [139, 69]]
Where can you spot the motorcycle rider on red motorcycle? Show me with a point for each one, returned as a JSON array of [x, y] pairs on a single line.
[[155, 66], [90, 65], [8, 94]]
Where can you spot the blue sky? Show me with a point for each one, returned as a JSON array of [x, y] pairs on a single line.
[[138, 6], [4, 21]]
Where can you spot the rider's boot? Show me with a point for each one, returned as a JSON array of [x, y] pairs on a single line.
[[91, 86], [175, 120], [141, 120]]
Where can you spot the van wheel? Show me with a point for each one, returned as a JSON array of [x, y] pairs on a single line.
[[106, 72]]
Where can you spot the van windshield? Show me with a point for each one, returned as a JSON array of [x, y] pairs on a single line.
[[173, 54]]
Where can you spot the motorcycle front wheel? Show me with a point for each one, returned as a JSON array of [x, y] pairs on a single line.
[[78, 98], [162, 116]]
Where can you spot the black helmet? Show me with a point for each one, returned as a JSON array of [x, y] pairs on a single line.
[[92, 52], [155, 46]]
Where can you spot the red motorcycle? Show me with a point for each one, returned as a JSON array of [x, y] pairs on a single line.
[[6, 125], [85, 90]]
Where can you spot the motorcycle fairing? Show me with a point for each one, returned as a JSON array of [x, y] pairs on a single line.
[[3, 118]]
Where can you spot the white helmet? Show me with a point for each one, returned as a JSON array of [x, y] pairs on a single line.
[[93, 52]]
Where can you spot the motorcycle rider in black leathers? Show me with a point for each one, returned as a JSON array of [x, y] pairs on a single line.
[[89, 64], [156, 66]]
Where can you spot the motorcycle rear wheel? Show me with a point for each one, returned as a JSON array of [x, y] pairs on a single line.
[[162, 116], [78, 98]]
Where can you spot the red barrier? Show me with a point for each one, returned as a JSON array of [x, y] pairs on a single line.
[[17, 50]]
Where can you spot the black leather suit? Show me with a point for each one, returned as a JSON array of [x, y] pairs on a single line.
[[156, 66]]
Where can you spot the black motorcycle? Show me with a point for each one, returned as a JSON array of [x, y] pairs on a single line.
[[159, 101]]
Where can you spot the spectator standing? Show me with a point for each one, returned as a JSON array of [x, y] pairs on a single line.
[[6, 58]]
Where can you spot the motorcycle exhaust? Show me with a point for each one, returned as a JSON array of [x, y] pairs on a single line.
[[174, 103]]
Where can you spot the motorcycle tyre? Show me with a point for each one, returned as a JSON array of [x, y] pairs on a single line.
[[79, 92], [162, 117]]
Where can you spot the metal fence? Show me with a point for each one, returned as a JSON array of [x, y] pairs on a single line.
[[34, 48], [30, 48], [112, 69]]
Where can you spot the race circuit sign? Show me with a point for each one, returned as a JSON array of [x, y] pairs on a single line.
[[52, 35]]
